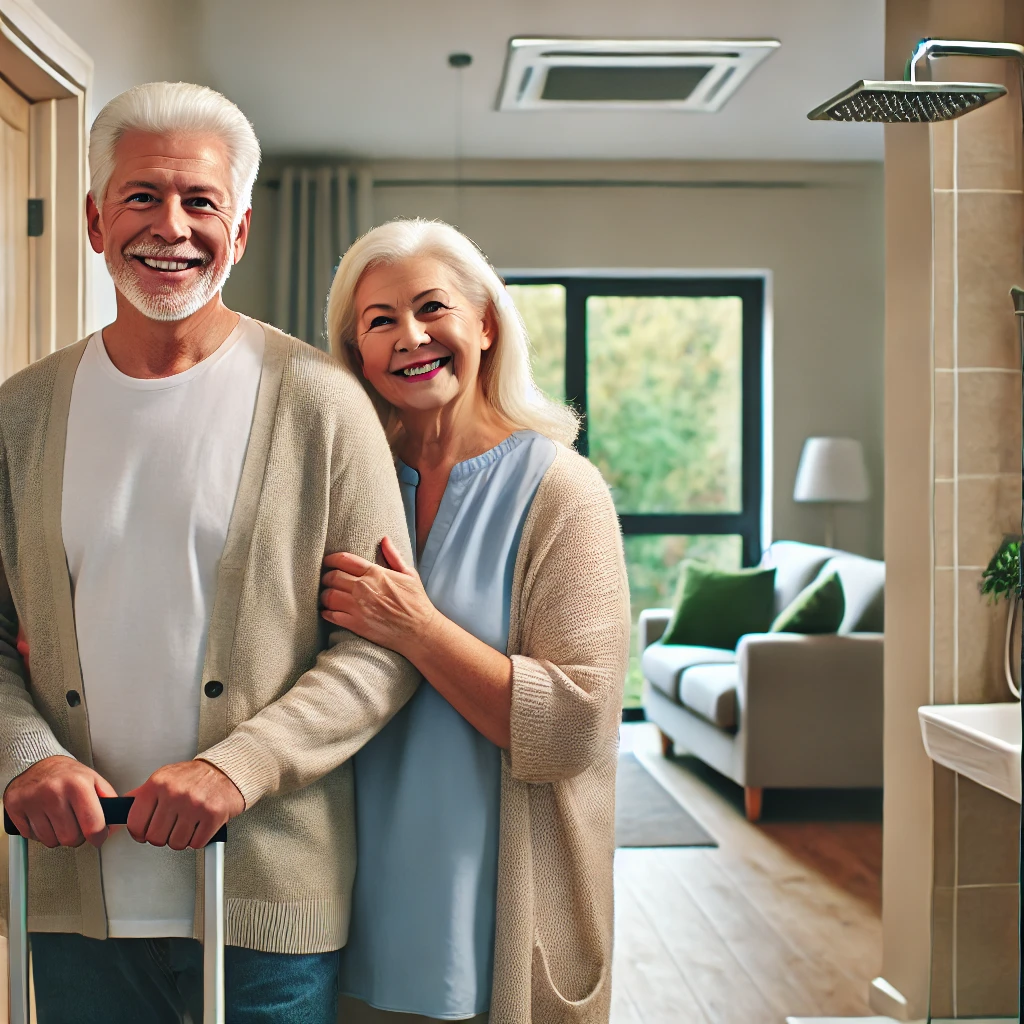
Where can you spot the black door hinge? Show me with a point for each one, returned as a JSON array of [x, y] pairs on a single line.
[[35, 218]]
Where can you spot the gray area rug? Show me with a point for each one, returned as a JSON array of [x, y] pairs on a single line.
[[646, 814]]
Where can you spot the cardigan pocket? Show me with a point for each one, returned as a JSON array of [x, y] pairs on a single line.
[[581, 994]]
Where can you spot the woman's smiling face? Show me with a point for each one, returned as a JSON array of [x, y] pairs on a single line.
[[419, 337]]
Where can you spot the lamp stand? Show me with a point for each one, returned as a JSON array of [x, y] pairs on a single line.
[[830, 524]]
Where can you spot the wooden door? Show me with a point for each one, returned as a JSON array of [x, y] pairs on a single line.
[[14, 295], [14, 254]]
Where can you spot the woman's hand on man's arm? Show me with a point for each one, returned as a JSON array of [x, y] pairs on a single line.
[[389, 607]]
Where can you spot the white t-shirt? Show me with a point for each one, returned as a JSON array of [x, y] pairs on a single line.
[[151, 470]]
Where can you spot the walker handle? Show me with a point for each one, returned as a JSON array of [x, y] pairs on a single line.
[[115, 812]]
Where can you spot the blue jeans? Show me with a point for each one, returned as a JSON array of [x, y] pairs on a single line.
[[156, 981]]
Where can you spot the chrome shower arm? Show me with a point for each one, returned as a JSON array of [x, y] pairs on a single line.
[[959, 48]]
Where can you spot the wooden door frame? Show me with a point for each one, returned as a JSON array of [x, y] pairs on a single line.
[[55, 75]]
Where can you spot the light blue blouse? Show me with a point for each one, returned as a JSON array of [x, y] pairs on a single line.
[[421, 938]]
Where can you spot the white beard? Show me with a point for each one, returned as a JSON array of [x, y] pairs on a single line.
[[174, 302]]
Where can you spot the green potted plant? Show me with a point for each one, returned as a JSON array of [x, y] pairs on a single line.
[[1002, 579]]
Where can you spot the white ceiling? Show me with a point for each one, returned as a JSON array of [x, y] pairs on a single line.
[[372, 80]]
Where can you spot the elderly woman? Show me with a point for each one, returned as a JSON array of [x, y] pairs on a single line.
[[485, 822]]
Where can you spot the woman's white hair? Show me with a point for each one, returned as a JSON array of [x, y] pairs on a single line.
[[175, 108], [505, 374]]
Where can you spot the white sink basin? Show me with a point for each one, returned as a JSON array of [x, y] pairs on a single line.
[[981, 741]]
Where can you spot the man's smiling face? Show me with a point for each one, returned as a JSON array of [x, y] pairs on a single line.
[[167, 227]]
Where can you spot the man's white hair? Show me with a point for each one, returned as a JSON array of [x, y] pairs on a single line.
[[175, 108], [505, 372]]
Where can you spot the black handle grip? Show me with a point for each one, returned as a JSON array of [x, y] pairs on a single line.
[[116, 808], [115, 812]]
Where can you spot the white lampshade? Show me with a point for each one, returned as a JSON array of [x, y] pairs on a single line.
[[832, 469]]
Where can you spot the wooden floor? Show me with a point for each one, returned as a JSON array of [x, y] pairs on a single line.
[[781, 918]]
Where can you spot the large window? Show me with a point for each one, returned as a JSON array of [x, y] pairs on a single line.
[[666, 374]]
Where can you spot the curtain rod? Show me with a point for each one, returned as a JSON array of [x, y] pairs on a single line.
[[275, 183]]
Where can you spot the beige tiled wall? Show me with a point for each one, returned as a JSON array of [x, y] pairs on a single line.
[[978, 254]]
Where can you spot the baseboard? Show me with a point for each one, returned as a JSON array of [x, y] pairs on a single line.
[[841, 1020], [886, 999], [890, 1020]]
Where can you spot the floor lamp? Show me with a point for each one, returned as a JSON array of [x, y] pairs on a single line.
[[832, 471]]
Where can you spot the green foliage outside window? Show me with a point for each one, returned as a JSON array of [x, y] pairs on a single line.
[[664, 400]]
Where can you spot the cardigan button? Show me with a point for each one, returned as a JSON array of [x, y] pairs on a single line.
[[214, 688], [73, 698]]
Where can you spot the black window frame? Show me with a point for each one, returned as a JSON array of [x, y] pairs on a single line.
[[751, 291]]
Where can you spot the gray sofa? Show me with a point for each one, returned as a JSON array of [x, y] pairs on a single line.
[[783, 710]]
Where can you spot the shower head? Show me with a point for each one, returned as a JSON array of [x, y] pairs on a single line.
[[891, 102], [913, 101]]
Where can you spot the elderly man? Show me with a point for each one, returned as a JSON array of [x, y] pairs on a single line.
[[168, 488]]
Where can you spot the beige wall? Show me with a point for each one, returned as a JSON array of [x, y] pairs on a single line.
[[820, 236], [902, 990], [954, 243]]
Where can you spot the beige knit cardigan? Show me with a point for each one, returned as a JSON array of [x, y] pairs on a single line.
[[569, 643]]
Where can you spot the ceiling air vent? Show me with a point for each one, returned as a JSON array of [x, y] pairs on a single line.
[[617, 74]]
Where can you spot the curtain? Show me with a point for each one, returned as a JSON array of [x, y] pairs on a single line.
[[314, 230]]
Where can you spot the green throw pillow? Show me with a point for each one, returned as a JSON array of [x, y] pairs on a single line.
[[818, 608], [715, 608]]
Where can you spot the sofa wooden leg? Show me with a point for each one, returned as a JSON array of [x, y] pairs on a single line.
[[752, 796], [667, 746]]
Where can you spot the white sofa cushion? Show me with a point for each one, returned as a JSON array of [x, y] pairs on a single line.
[[710, 691], [662, 664]]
